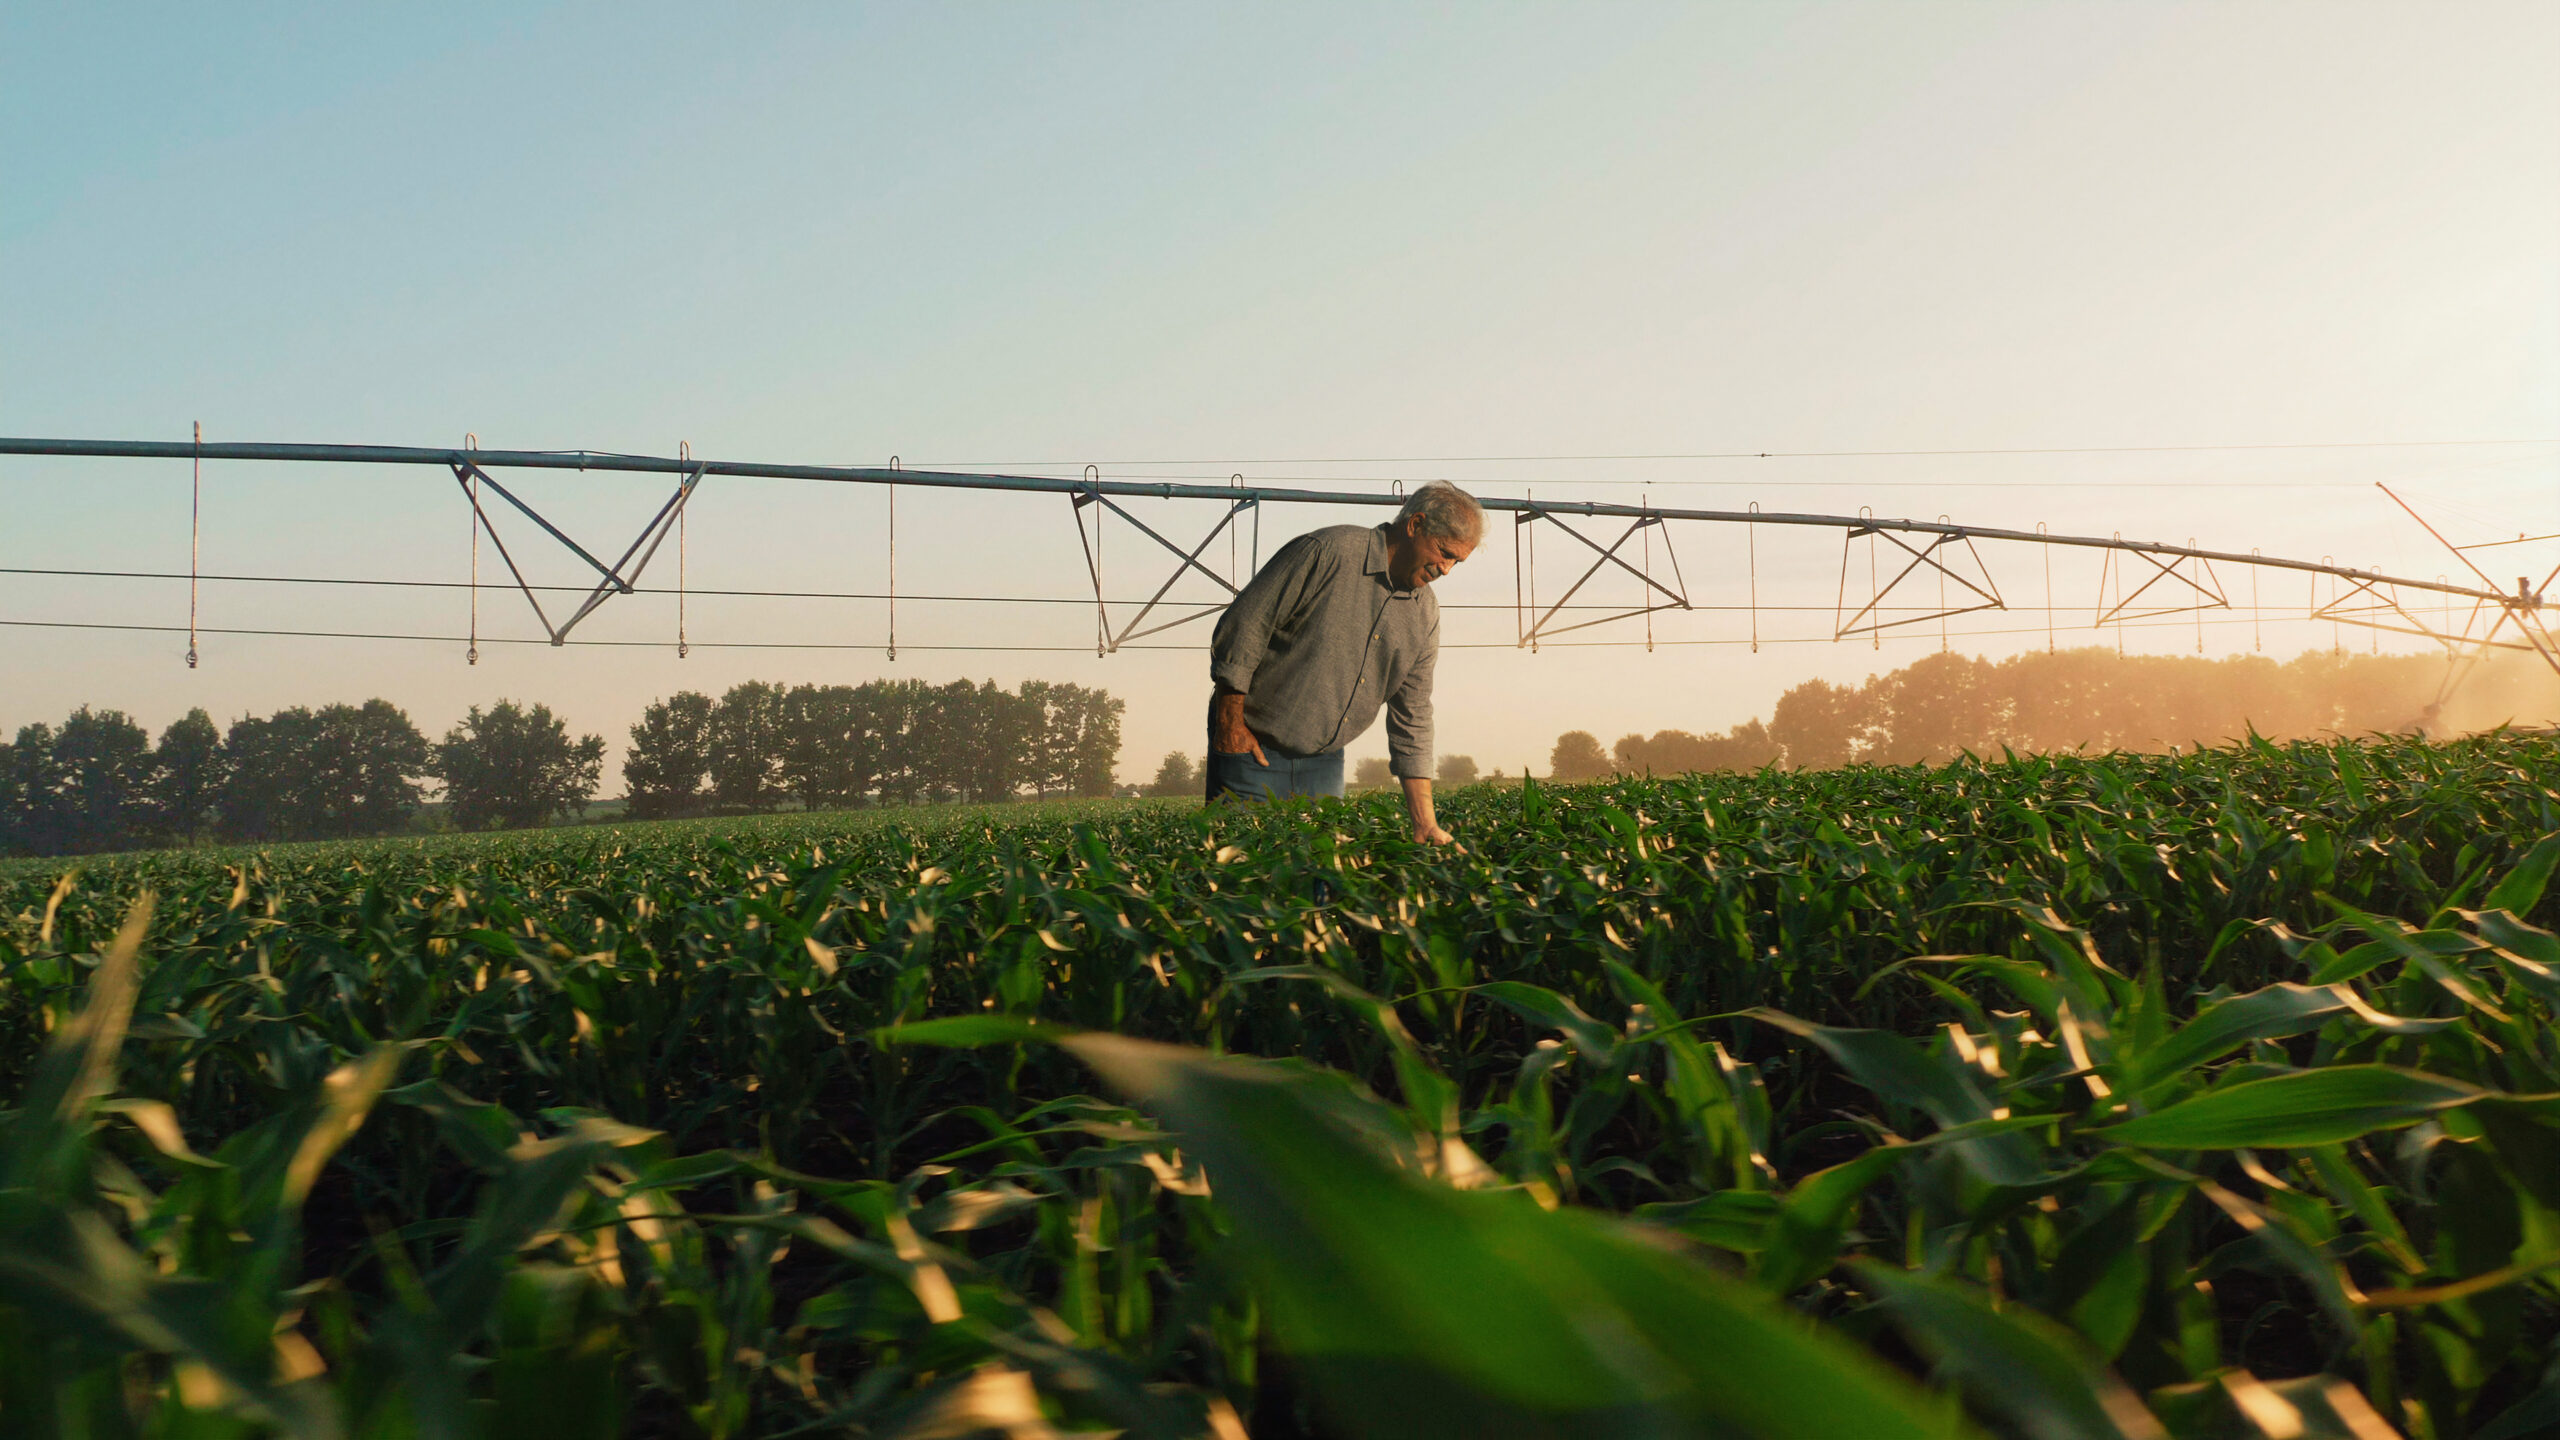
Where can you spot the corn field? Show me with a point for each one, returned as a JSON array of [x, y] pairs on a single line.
[[2198, 1095]]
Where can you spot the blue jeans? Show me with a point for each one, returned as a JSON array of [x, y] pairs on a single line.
[[1245, 778]]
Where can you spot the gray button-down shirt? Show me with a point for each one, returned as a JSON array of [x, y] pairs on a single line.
[[1321, 638]]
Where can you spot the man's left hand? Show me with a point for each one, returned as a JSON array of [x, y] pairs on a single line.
[[1417, 803]]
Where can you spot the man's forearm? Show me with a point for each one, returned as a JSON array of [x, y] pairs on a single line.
[[1228, 734], [1417, 803]]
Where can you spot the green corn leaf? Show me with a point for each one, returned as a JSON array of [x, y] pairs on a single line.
[[1736, 1220], [2030, 1373], [1421, 1311], [2527, 952], [1545, 1008], [555, 1374], [964, 1032], [2225, 1025], [1937, 1083], [1894, 1068], [2270, 1014], [2522, 887], [2359, 961], [2305, 1107]]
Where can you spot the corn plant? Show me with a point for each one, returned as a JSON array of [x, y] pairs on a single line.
[[2199, 1094]]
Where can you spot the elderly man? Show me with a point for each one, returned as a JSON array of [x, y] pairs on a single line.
[[1340, 622]]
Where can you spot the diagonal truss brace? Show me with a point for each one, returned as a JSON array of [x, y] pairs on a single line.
[[2524, 611], [2208, 592], [614, 581], [1105, 639], [1673, 599], [1869, 619], [2383, 607]]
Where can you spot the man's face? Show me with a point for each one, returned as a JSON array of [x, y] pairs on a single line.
[[1416, 559]]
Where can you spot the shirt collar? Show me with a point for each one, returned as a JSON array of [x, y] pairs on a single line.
[[1376, 564]]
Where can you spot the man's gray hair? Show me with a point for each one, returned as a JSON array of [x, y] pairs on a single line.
[[1447, 512]]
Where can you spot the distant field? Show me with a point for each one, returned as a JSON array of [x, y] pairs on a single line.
[[781, 827], [2149, 1079]]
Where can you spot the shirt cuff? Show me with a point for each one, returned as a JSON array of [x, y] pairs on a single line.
[[1228, 675], [1410, 765]]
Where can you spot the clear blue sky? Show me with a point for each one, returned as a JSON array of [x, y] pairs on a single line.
[[1290, 241]]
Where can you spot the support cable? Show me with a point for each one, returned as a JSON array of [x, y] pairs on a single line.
[[471, 488], [2199, 566], [684, 451], [1875, 594], [1519, 605], [195, 541], [2337, 632], [1751, 551], [893, 564], [1942, 601], [1647, 594], [2048, 590], [1525, 517]]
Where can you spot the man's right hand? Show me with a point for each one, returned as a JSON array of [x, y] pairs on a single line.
[[1227, 732]]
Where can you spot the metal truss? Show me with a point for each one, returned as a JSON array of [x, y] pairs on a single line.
[[1525, 595], [1105, 638], [2522, 612], [615, 581], [2193, 586], [2179, 579], [1869, 618]]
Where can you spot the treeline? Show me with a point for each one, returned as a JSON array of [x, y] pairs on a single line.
[[99, 782], [761, 746], [2095, 699]]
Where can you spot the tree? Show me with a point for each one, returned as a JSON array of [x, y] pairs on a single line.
[[1578, 756], [1457, 770], [902, 715], [983, 742], [371, 760], [1175, 776], [1819, 724], [670, 757], [829, 750], [1372, 773], [102, 766], [190, 778], [1937, 707], [1086, 729], [746, 747], [516, 768], [1677, 752], [1074, 747], [329, 774], [34, 789], [260, 758]]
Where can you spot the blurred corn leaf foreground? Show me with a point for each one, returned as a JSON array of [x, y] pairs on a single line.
[[1422, 1310]]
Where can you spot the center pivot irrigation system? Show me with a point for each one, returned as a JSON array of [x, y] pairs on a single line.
[[1903, 560]]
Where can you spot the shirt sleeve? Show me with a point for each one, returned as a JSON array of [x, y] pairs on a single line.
[[1409, 711], [1258, 612]]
